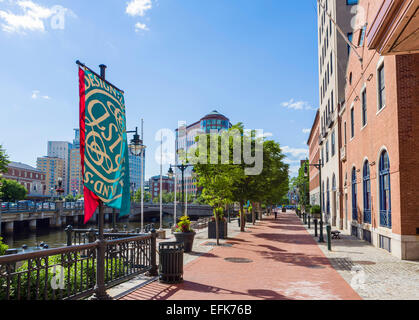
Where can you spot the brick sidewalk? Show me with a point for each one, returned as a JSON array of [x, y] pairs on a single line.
[[286, 264]]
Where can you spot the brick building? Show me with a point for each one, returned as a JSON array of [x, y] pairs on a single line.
[[380, 133], [314, 152], [168, 185], [32, 179]]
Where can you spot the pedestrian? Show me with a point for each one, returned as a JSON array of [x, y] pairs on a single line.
[[276, 213]]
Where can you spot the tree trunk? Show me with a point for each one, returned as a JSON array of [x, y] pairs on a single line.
[[216, 227], [253, 213], [242, 216], [260, 211]]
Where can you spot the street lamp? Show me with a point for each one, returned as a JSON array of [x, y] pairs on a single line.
[[319, 167], [182, 167], [137, 148]]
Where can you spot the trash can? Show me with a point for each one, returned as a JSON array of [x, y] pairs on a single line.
[[171, 262]]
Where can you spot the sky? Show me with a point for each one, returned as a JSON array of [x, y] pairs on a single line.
[[254, 61]]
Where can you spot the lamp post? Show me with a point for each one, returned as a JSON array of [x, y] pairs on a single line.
[[182, 167], [319, 167], [137, 149]]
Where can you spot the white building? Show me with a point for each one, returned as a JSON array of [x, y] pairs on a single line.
[[61, 150]]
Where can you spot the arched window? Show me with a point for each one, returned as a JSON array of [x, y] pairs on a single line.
[[354, 195], [367, 193], [328, 199], [385, 190]]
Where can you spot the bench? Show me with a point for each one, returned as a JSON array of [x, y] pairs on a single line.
[[335, 234]]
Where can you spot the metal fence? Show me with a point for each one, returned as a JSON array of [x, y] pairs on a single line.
[[70, 272], [11, 207]]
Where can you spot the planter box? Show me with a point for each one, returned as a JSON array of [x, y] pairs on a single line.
[[222, 230], [187, 238]]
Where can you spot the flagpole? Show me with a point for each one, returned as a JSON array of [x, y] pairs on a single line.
[[142, 176], [100, 287], [161, 181]]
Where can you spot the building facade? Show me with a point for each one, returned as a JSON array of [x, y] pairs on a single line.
[[53, 168], [168, 185], [31, 178], [61, 149], [314, 157], [75, 171], [185, 141], [333, 56], [135, 173], [380, 136]]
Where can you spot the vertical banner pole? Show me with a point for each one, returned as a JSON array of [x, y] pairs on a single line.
[[101, 248]]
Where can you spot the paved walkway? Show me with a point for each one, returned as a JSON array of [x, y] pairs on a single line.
[[379, 275], [285, 262]]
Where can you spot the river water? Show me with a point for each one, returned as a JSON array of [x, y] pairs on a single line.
[[56, 238]]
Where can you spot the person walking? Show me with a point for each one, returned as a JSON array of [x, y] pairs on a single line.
[[276, 213]]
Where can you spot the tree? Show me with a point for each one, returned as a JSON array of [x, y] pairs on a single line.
[[302, 184], [216, 181], [4, 160], [11, 191], [147, 196]]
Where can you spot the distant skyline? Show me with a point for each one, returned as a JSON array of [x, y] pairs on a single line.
[[253, 61]]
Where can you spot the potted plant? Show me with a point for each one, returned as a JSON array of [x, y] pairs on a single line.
[[184, 233], [315, 211], [222, 225]]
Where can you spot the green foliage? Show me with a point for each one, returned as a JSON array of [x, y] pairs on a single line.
[[303, 184], [184, 225], [315, 209], [147, 196], [11, 191], [3, 247], [69, 198], [73, 273], [4, 160]]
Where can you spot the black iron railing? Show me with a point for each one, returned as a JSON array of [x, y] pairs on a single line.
[[70, 272]]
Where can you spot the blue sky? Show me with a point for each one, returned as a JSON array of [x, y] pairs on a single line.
[[253, 60]]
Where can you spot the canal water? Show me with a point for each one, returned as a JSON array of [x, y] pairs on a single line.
[[56, 238]]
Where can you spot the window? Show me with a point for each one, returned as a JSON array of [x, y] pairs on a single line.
[[333, 143], [362, 37], [385, 191], [345, 132], [327, 151], [364, 107], [328, 200], [331, 100], [367, 193], [350, 39], [323, 197], [354, 196], [352, 123], [331, 63], [322, 158], [381, 88]]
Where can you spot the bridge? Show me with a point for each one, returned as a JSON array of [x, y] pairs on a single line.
[[61, 214]]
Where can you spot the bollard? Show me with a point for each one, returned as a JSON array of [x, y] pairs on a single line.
[[321, 238], [69, 231], [153, 258], [305, 218], [315, 227], [309, 221], [329, 238]]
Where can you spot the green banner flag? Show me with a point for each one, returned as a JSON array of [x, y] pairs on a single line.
[[103, 144]]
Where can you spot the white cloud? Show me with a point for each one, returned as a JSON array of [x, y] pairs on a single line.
[[306, 130], [297, 105], [32, 19], [138, 7], [140, 26], [36, 95], [296, 152], [268, 135]]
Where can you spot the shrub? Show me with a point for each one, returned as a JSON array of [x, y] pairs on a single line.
[[184, 225], [3, 247], [315, 209]]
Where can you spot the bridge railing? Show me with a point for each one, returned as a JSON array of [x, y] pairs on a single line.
[[11, 207], [70, 272]]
